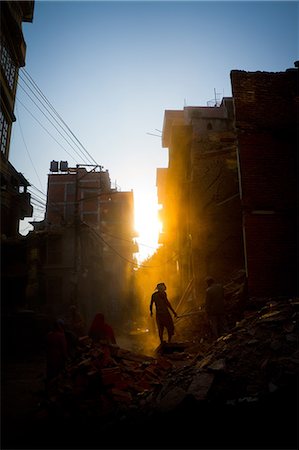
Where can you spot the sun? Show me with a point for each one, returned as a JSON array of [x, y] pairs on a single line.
[[147, 226]]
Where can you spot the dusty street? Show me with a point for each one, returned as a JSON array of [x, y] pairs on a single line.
[[22, 388], [22, 379], [239, 392]]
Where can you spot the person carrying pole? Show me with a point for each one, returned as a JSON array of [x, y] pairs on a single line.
[[163, 317]]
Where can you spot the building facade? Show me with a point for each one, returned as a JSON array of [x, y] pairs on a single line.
[[199, 192], [229, 195], [82, 252], [14, 199], [266, 108]]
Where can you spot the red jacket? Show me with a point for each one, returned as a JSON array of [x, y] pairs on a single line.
[[101, 331]]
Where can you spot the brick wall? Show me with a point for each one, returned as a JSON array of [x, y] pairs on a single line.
[[266, 109]]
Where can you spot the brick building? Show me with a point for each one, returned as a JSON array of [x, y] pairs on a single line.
[[266, 110], [199, 192], [14, 199], [81, 252]]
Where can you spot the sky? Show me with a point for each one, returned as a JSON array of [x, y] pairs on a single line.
[[111, 69]]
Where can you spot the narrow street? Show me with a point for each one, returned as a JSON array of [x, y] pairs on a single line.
[[237, 392], [149, 225], [22, 389], [22, 381]]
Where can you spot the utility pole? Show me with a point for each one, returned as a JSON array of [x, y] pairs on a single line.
[[77, 221], [76, 237]]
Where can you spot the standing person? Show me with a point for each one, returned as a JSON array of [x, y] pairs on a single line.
[[56, 348], [163, 317], [215, 306], [100, 331]]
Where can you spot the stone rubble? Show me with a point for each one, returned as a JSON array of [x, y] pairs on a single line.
[[256, 358]]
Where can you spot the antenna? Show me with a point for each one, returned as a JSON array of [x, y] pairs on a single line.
[[216, 100]]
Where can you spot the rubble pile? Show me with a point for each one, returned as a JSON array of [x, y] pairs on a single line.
[[193, 324], [258, 357], [235, 296], [102, 381], [246, 379], [193, 327], [241, 392]]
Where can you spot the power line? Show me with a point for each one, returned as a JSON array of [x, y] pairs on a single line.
[[33, 83], [36, 208], [26, 228], [36, 173], [77, 153], [30, 79], [156, 135], [127, 240], [121, 256], [44, 200], [45, 99], [38, 202], [41, 202], [55, 205], [42, 103], [45, 129], [52, 107], [26, 73], [41, 192]]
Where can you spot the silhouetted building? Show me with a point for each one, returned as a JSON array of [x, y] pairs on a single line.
[[266, 109], [15, 201], [230, 192], [82, 251], [199, 192], [14, 198]]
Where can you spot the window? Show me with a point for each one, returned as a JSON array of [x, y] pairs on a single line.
[[8, 66], [4, 125]]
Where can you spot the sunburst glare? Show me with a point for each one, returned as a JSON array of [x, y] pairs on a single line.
[[147, 225]]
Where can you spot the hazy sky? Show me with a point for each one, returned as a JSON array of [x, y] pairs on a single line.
[[111, 69]]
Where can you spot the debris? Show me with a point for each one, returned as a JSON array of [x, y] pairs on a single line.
[[121, 396], [254, 361], [200, 385], [218, 365], [172, 399], [168, 347]]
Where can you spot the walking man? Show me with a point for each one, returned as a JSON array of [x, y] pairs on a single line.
[[163, 317]]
